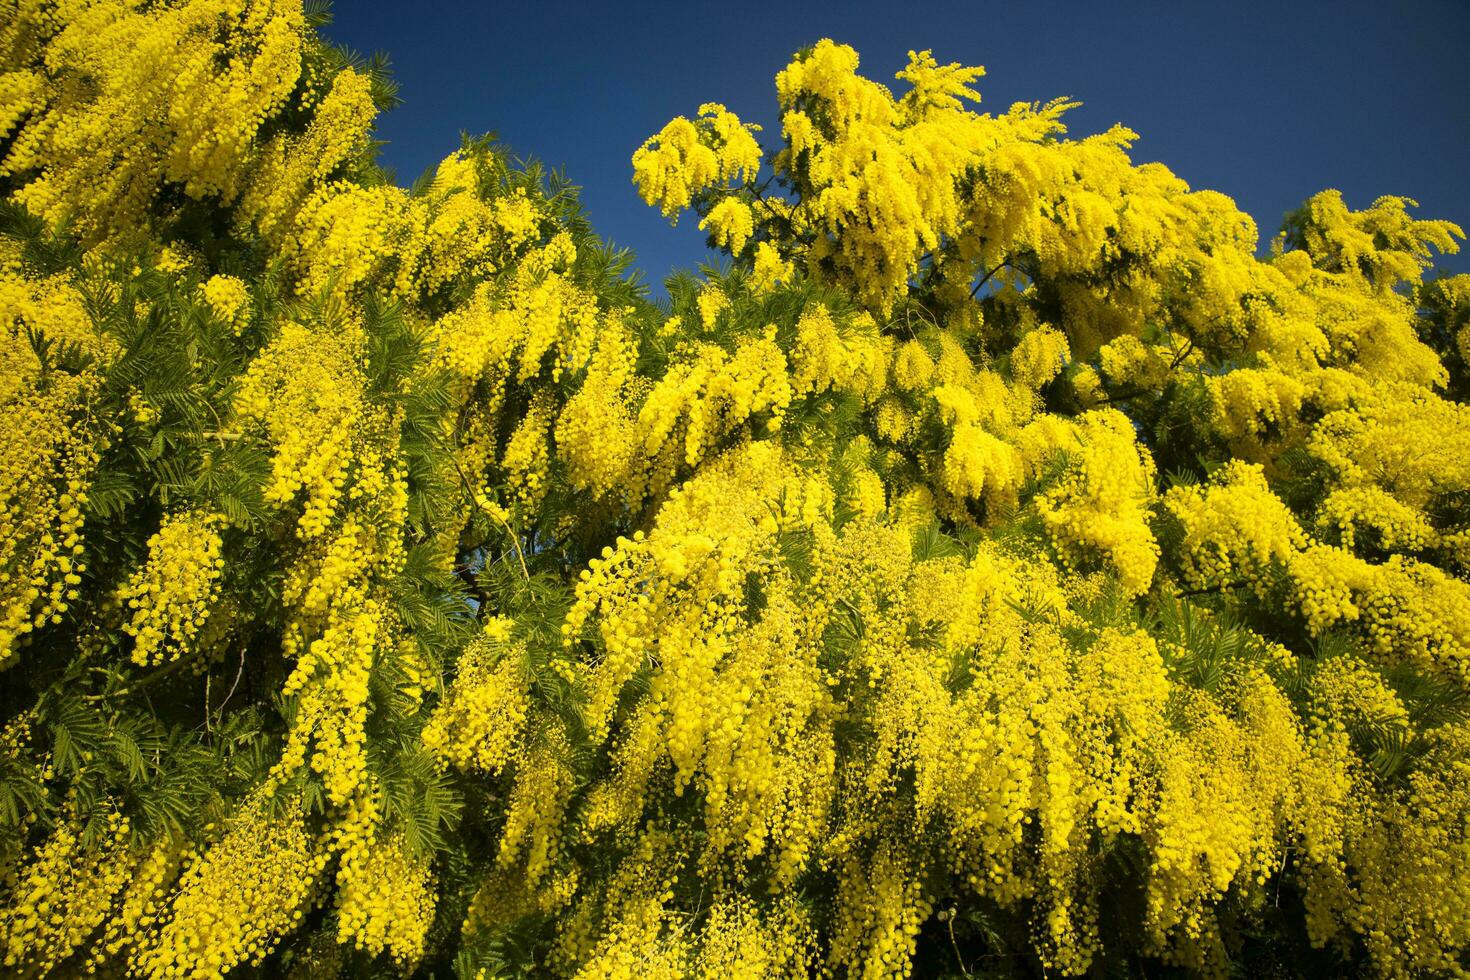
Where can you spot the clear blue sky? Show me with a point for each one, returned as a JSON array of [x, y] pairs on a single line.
[[1268, 102]]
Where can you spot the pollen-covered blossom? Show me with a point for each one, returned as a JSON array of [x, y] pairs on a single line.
[[479, 722], [769, 268], [1039, 356], [178, 94]]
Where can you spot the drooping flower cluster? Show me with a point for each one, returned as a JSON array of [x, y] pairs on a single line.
[[172, 595], [1000, 563]]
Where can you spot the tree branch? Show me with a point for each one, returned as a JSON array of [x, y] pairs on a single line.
[[986, 277], [1211, 589]]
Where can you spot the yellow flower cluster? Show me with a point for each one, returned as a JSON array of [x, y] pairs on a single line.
[[1404, 895], [711, 302], [872, 166], [331, 678], [1380, 244], [874, 618], [1039, 356], [1407, 610], [976, 464], [1235, 528], [884, 183], [530, 836], [1410, 443], [345, 236], [1100, 507], [713, 394], [1237, 532], [742, 940], [248, 889], [174, 593], [846, 355], [770, 269], [596, 434], [636, 937], [305, 392], [527, 454], [335, 454], [1224, 790], [730, 223], [880, 912], [687, 157], [66, 892], [1065, 734], [1371, 516], [1348, 691], [1126, 360], [487, 340], [143, 903], [479, 723], [291, 167], [46, 459], [140, 100], [228, 298], [385, 898]]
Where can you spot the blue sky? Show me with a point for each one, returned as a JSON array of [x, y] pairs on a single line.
[[1267, 102]]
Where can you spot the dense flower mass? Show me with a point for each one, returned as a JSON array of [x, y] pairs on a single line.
[[1006, 567]]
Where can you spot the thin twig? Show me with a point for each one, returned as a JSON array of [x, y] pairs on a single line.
[[239, 671], [1183, 353], [514, 538], [142, 683], [949, 922], [516, 543], [1208, 590], [987, 276]]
